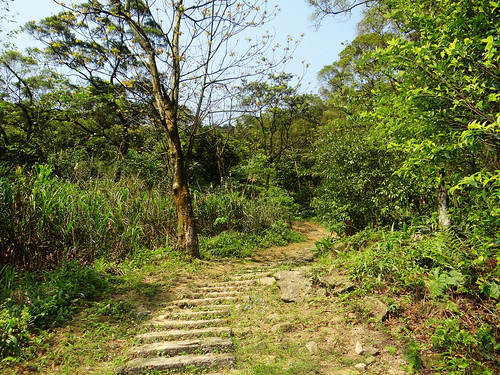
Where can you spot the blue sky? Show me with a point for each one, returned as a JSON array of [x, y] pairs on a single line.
[[318, 47]]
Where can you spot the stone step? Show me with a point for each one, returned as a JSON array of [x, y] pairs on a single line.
[[224, 288], [203, 301], [213, 294], [247, 282], [179, 334], [171, 348], [250, 275], [214, 312], [141, 365], [173, 324]]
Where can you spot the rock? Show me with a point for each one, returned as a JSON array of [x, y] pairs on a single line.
[[358, 349], [361, 366], [340, 247], [282, 328], [294, 286], [312, 347], [369, 360], [377, 308], [337, 283], [321, 293], [371, 352], [303, 257], [266, 281]]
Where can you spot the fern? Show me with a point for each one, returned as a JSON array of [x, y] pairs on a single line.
[[444, 280]]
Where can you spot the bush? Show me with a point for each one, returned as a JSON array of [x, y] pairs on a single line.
[[54, 296], [42, 300], [360, 187], [14, 331]]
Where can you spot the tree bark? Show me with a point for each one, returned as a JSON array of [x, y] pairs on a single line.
[[187, 234], [443, 203]]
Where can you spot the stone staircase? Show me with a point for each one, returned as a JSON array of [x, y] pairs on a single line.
[[193, 333]]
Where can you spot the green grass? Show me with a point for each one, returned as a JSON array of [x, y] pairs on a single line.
[[239, 245]]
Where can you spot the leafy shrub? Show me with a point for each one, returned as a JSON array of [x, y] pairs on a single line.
[[54, 296], [411, 355], [44, 300], [465, 350], [359, 187], [14, 330]]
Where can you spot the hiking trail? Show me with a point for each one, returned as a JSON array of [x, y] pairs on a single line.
[[265, 315]]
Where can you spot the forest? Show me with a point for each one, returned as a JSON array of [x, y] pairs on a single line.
[[139, 132]]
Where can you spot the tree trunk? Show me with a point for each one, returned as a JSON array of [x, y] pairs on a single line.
[[220, 163], [187, 234], [443, 203]]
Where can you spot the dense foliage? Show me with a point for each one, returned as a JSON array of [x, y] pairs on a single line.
[[411, 142]]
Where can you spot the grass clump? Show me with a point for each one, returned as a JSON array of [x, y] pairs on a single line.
[[47, 220]]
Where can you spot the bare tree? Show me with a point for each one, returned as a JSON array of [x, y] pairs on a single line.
[[323, 8], [179, 54]]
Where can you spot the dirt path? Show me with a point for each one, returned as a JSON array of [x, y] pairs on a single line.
[[232, 319]]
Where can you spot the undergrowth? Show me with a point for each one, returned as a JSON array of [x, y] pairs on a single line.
[[46, 221], [240, 245], [99, 301], [447, 286]]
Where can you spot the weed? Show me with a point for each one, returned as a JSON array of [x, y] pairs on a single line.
[[14, 332], [412, 356], [463, 349]]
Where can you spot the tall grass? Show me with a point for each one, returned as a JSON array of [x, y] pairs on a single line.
[[230, 209], [45, 220]]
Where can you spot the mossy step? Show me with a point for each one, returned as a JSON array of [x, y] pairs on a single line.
[[171, 348], [169, 323], [224, 288], [203, 301], [204, 361], [249, 275], [178, 334]]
